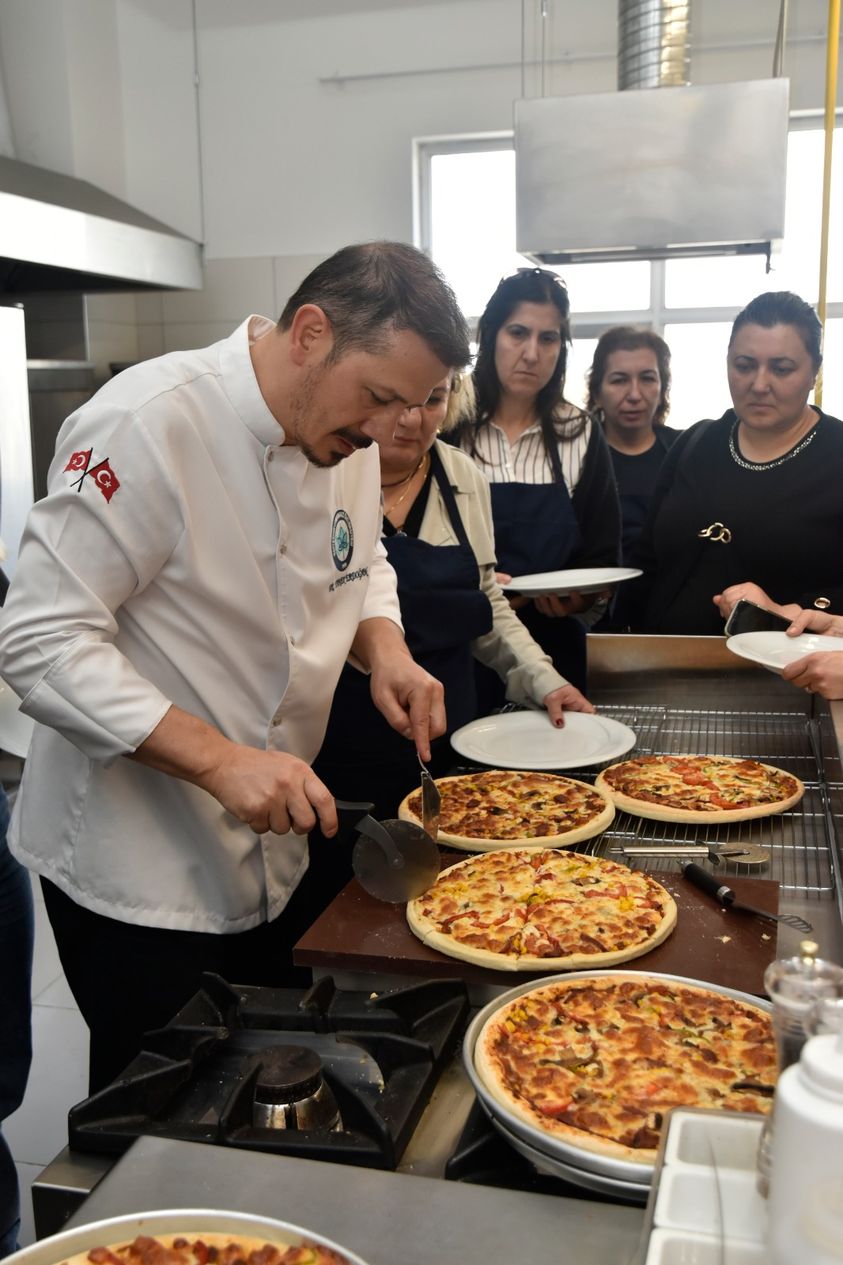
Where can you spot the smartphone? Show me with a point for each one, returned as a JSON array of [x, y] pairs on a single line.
[[748, 617]]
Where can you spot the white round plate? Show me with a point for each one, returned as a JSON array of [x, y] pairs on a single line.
[[580, 580], [528, 740], [775, 650], [15, 728]]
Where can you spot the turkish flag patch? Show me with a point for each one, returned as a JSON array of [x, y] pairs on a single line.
[[101, 472]]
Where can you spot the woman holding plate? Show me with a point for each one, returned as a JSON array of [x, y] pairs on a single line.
[[748, 505], [554, 502], [437, 531]]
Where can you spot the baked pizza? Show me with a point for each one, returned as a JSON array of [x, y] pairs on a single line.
[[494, 809], [597, 1062], [699, 788], [208, 1249], [529, 910]]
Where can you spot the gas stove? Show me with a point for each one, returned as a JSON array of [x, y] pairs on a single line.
[[330, 1074]]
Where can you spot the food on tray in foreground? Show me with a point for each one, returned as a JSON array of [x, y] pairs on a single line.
[[207, 1249], [597, 1062], [542, 910], [494, 809], [699, 788]]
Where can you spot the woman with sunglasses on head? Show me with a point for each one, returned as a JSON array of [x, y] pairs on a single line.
[[748, 505], [553, 494]]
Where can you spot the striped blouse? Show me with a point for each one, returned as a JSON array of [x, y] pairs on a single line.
[[525, 461]]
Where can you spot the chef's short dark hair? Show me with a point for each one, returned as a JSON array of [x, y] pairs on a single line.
[[782, 307], [629, 338], [371, 290]]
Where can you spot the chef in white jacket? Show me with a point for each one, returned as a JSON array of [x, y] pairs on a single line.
[[206, 559]]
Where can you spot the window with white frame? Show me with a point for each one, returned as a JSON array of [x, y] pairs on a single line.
[[466, 221]]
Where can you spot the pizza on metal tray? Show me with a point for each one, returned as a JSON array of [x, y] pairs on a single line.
[[501, 807], [596, 1062], [699, 788], [207, 1249], [525, 910]]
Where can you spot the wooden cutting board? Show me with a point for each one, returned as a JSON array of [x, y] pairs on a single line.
[[709, 943]]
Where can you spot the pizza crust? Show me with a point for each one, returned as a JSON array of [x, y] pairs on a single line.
[[246, 1244], [487, 1065], [465, 843], [428, 932], [660, 812]]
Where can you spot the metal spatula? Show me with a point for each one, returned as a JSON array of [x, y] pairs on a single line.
[[431, 801], [394, 861], [708, 883]]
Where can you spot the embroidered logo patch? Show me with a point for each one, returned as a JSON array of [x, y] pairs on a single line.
[[101, 472], [342, 540]]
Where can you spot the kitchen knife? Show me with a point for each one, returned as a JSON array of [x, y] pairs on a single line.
[[737, 854], [727, 898], [394, 861]]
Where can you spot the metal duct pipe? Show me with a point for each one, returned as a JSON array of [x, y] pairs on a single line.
[[653, 43]]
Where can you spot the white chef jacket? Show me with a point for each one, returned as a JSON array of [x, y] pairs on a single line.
[[183, 556]]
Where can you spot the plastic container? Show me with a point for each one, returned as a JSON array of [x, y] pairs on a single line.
[[805, 1213]]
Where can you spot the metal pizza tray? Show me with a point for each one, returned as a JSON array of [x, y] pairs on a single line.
[[554, 1148], [58, 1247]]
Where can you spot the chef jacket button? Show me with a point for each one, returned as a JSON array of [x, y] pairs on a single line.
[[292, 640], [282, 549], [276, 719], [270, 455]]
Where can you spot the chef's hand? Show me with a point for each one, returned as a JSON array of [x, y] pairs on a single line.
[[566, 699], [820, 673], [410, 699], [818, 622], [726, 600], [269, 790], [556, 607]]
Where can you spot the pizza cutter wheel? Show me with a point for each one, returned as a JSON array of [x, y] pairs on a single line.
[[718, 853], [394, 861]]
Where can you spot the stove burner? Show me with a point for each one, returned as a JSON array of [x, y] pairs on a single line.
[[290, 1092]]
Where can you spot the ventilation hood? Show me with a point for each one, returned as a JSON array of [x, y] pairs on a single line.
[[60, 233], [652, 173]]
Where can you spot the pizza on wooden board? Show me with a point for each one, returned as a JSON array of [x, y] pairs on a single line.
[[700, 788], [207, 1249], [597, 1062], [528, 910], [501, 807]]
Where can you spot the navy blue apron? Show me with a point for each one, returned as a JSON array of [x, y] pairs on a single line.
[[443, 610], [536, 529]]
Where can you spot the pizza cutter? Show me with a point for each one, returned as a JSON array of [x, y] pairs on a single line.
[[392, 860]]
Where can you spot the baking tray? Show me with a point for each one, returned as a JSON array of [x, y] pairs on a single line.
[[58, 1247], [568, 1153]]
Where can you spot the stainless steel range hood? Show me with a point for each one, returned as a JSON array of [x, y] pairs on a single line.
[[652, 173], [59, 233]]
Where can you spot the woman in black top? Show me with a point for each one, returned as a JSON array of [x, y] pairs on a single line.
[[753, 498], [629, 392]]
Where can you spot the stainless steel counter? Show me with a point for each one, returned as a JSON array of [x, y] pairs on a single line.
[[388, 1218]]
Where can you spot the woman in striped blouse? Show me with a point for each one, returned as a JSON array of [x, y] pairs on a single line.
[[553, 493]]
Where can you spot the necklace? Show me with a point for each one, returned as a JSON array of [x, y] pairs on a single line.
[[394, 506], [766, 465], [407, 477]]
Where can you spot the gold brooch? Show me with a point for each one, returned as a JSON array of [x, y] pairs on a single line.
[[719, 533]]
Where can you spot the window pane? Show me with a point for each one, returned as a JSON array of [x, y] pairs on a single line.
[[699, 387], [580, 356], [608, 287], [833, 368], [716, 282], [797, 267]]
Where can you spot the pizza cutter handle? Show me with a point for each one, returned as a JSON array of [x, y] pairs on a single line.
[[359, 816], [708, 883]]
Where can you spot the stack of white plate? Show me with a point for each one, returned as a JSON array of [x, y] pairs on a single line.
[[627, 1180]]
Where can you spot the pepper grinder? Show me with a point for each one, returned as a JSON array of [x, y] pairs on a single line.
[[794, 986]]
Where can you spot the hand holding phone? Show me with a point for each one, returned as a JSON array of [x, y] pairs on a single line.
[[749, 617]]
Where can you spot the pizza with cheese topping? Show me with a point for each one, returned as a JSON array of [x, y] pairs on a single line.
[[501, 807], [528, 910], [597, 1062], [699, 788], [208, 1249]]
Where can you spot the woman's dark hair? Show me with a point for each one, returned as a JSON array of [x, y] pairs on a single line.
[[527, 285], [629, 338], [781, 307]]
